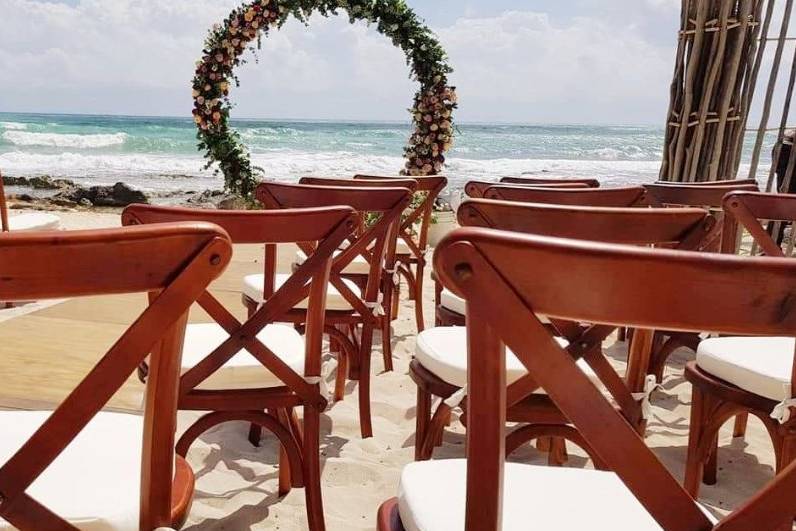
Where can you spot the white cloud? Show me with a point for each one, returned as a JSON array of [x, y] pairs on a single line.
[[137, 57]]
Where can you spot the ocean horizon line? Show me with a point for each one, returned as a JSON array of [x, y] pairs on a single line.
[[406, 122]]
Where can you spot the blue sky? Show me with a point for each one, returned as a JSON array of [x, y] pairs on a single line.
[[574, 61]]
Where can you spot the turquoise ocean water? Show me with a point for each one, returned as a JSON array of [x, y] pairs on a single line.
[[159, 154]]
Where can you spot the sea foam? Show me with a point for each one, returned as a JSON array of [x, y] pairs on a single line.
[[13, 126], [63, 140]]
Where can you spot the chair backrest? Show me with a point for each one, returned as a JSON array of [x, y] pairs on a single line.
[[508, 278], [477, 189], [419, 212], [683, 227], [628, 196], [678, 194], [590, 183], [175, 261], [376, 242], [747, 209], [723, 182], [3, 206], [321, 230]]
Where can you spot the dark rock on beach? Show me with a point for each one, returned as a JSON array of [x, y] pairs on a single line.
[[118, 195]]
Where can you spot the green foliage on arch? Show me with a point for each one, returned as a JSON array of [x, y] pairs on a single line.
[[431, 110]]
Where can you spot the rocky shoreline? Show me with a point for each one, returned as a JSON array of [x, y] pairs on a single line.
[[45, 192]]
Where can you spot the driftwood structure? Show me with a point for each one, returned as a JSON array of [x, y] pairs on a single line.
[[729, 60]]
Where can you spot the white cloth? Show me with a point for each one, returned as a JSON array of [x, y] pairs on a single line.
[[33, 221], [242, 371], [453, 302], [95, 483], [760, 365], [253, 288], [443, 351], [432, 495]]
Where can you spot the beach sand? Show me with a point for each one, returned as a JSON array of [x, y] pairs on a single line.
[[237, 483]]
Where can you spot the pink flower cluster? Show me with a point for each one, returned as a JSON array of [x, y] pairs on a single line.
[[433, 134]]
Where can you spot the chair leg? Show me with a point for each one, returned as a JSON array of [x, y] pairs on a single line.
[[421, 325], [739, 428], [386, 323], [255, 434], [312, 470], [365, 422], [341, 373], [711, 463], [446, 422], [434, 431], [285, 481], [558, 452], [422, 418], [697, 433]]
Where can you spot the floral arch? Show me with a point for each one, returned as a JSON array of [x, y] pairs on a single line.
[[431, 111]]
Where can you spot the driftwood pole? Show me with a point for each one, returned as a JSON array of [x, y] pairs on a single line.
[[711, 88]]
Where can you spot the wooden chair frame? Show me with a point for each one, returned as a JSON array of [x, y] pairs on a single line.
[[416, 240], [272, 407], [389, 270], [628, 196], [714, 401], [681, 228], [174, 263], [710, 196], [509, 278], [535, 181], [723, 182], [376, 241], [477, 189]]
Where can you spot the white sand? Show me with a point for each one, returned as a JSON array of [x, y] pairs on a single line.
[[237, 483]]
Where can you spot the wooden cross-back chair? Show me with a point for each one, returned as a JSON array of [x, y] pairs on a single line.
[[79, 467], [508, 279], [439, 367], [413, 238], [477, 189], [628, 196], [535, 181], [738, 376], [359, 270], [357, 310], [710, 196], [258, 371]]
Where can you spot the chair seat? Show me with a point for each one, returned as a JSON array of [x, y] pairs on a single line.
[[443, 351], [760, 365], [95, 483], [454, 303], [401, 247], [33, 221], [242, 371], [432, 495], [357, 266], [253, 288]]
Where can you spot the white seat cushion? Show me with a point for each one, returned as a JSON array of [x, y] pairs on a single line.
[[454, 303], [402, 247], [33, 221], [432, 495], [760, 365], [253, 288], [95, 483], [443, 351], [242, 371], [357, 266]]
